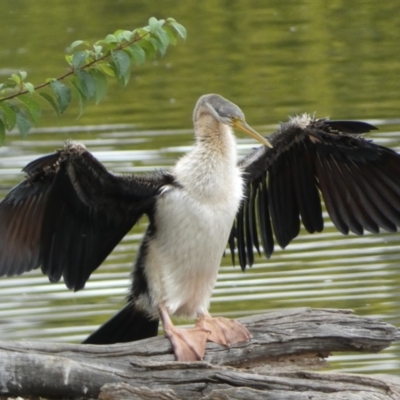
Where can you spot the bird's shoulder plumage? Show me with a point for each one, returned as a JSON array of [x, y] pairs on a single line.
[[69, 213], [358, 179]]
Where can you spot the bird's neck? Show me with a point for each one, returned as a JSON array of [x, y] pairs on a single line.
[[215, 141], [210, 168]]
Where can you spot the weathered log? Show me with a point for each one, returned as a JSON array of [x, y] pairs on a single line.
[[283, 345]]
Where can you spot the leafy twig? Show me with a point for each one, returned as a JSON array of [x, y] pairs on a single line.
[[90, 69]]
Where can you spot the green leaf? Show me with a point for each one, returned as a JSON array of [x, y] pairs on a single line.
[[122, 35], [111, 39], [180, 29], [107, 69], [63, 95], [86, 83], [157, 43], [23, 74], [128, 35], [16, 78], [122, 79], [153, 24], [98, 50], [122, 62], [171, 34], [163, 37], [143, 32], [51, 101], [125, 78], [2, 132], [82, 99], [149, 48], [136, 54], [78, 59], [23, 123], [29, 87], [10, 118], [139, 55], [101, 84], [77, 43], [68, 59], [32, 106]]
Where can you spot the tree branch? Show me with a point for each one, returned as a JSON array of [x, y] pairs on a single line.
[[284, 343]]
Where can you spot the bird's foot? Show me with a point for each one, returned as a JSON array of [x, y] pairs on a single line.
[[223, 330], [188, 344]]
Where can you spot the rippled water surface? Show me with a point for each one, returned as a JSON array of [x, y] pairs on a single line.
[[273, 60]]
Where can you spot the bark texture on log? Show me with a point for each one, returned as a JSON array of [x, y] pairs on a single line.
[[270, 366]]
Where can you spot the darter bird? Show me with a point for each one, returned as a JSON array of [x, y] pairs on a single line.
[[70, 212]]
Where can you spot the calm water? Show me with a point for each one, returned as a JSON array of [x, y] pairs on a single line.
[[273, 60]]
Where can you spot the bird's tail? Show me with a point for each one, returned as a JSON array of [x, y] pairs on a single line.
[[127, 325]]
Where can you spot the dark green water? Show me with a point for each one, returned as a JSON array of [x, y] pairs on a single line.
[[274, 59]]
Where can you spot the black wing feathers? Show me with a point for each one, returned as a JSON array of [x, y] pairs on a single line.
[[356, 127], [241, 238], [252, 219], [69, 214], [282, 200], [359, 182], [264, 217]]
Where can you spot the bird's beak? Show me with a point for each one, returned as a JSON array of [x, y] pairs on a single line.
[[246, 128]]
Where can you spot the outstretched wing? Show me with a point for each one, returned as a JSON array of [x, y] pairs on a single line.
[[68, 215], [359, 182]]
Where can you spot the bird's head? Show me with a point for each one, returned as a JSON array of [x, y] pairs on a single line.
[[226, 113]]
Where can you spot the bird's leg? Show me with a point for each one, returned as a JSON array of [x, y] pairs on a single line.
[[188, 344], [223, 330]]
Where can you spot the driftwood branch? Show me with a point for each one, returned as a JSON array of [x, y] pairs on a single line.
[[271, 366]]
